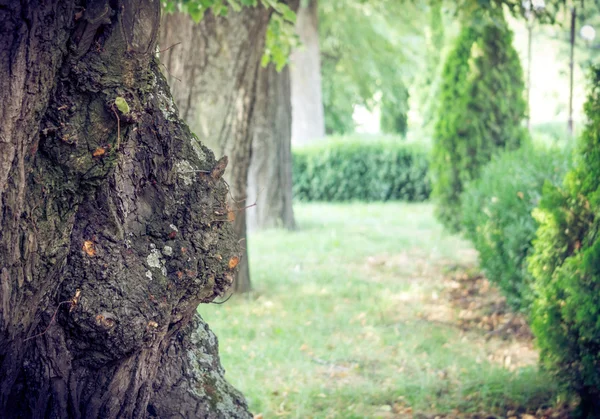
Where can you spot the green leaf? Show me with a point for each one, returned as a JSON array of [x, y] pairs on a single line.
[[235, 5], [122, 105], [289, 15], [265, 60], [196, 14]]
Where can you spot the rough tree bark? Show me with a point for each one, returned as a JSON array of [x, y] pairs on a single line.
[[308, 120], [214, 70], [270, 173], [111, 231]]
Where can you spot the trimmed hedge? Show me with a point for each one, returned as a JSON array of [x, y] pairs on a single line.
[[566, 268], [349, 169], [497, 219]]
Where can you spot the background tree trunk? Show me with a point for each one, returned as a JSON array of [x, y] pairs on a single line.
[[218, 85], [270, 175], [308, 121], [213, 73], [110, 233]]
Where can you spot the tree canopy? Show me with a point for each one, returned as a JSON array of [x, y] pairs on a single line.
[[368, 51]]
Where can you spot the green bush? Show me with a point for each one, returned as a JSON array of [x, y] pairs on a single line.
[[566, 268], [347, 169], [497, 219], [481, 109]]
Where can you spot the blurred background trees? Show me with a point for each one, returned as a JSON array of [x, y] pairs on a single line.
[[307, 86], [368, 52], [466, 103]]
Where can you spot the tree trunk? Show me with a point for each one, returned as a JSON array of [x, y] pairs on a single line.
[[215, 73], [110, 233], [270, 175], [308, 121]]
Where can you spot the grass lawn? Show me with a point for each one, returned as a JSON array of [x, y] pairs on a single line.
[[348, 320]]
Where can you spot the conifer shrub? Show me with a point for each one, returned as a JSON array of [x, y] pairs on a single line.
[[566, 268], [497, 215], [481, 110], [346, 169]]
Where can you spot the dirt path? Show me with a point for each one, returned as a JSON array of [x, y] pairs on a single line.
[[459, 297]]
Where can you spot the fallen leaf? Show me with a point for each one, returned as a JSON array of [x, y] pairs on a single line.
[[219, 168], [99, 152], [231, 216], [233, 262], [122, 105], [89, 248]]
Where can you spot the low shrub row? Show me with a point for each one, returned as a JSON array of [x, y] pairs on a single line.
[[346, 169], [535, 219]]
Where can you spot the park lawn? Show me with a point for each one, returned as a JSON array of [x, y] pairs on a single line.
[[348, 319]]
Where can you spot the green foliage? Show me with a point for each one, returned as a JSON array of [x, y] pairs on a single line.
[[428, 81], [553, 132], [367, 52], [353, 169], [496, 211], [280, 37], [394, 110], [566, 267], [339, 96], [481, 109]]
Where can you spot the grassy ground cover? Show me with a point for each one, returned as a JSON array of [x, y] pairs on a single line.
[[350, 319]]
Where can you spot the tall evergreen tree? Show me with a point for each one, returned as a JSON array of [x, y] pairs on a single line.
[[481, 108]]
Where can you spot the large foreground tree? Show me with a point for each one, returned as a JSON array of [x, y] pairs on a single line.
[[111, 225]]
